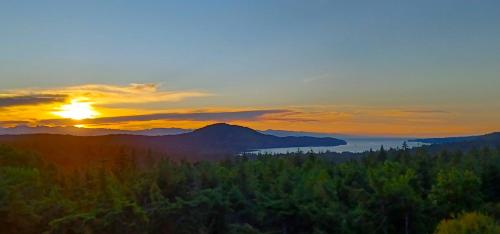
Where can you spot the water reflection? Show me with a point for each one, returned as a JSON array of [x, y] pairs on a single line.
[[353, 145]]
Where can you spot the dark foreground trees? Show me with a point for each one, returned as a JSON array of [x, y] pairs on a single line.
[[393, 191]]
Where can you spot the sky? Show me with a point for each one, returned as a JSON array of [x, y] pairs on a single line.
[[405, 68]]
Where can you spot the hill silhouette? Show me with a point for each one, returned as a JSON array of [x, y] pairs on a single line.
[[212, 142], [490, 137], [223, 137], [74, 131], [462, 143]]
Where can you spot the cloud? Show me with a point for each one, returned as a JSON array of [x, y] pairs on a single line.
[[102, 94], [426, 111], [316, 78], [292, 116], [250, 115], [13, 122], [289, 119], [30, 99]]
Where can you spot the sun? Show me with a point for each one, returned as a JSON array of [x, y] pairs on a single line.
[[77, 110]]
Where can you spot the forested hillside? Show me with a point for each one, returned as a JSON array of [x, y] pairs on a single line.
[[213, 142], [395, 191]]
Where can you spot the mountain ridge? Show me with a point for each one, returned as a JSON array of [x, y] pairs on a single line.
[[212, 142], [75, 131], [493, 136], [83, 131]]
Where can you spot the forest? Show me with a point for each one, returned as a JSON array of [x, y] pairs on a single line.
[[383, 191]]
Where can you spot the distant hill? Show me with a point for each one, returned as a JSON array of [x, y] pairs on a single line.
[[22, 130], [208, 143], [74, 131], [284, 133], [462, 143], [236, 138], [442, 140], [491, 137]]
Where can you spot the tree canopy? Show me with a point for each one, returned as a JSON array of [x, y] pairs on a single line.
[[387, 191]]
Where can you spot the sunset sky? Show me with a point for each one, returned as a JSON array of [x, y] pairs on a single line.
[[423, 68]]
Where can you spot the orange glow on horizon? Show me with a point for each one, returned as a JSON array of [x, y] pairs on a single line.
[[114, 107]]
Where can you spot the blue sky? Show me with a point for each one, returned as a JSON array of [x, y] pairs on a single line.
[[268, 54]]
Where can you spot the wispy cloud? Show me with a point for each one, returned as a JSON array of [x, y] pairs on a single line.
[[250, 115], [316, 78], [291, 116], [13, 122], [7, 100], [426, 111], [100, 94]]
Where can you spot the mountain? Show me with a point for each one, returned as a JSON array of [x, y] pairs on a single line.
[[23, 129], [75, 131], [461, 143], [212, 142], [491, 137], [284, 133], [444, 140], [237, 138]]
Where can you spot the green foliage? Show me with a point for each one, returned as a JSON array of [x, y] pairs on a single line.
[[16, 158], [394, 197], [387, 191], [468, 223], [456, 190], [129, 218]]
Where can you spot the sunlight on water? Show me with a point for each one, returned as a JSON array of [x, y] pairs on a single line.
[[353, 145]]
